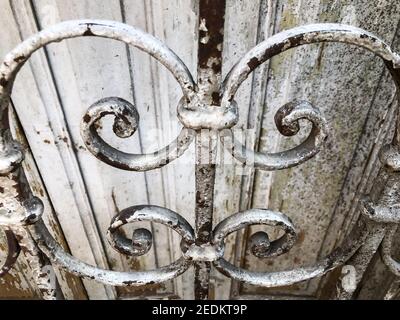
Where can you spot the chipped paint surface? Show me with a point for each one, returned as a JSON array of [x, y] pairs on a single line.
[[196, 115], [211, 19], [198, 110], [146, 213], [13, 250], [17, 206], [11, 153], [385, 212], [37, 262], [59, 257]]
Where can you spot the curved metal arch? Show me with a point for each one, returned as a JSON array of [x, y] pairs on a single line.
[[278, 43], [131, 36], [95, 28], [313, 33]]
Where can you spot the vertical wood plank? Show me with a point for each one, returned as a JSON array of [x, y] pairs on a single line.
[[241, 33]]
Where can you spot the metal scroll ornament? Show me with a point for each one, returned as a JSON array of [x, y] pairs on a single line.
[[194, 115]]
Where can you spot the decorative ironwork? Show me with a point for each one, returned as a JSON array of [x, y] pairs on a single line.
[[125, 125], [203, 106]]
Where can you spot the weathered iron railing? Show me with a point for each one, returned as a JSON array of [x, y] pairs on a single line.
[[204, 105]]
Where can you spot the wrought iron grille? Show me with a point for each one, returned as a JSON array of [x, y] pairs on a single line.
[[207, 111]]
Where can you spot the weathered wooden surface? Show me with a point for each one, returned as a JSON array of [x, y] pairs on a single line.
[[56, 87]]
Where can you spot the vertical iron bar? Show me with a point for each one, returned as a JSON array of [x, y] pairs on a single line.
[[19, 204], [211, 26]]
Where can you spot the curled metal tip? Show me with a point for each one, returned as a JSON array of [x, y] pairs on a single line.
[[259, 244], [287, 129], [127, 120], [142, 240], [126, 116]]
